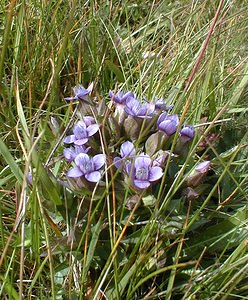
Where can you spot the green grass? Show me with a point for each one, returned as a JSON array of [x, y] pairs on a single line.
[[59, 244]]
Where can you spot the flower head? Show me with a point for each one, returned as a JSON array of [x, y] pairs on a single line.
[[198, 173], [160, 104], [80, 93], [142, 172], [71, 152], [88, 167], [81, 133], [187, 133], [136, 109], [120, 97], [168, 123]]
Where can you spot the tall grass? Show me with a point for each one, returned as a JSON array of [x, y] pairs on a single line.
[[53, 243]]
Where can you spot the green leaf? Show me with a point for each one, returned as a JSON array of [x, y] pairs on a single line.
[[11, 292], [11, 161], [149, 200], [95, 236]]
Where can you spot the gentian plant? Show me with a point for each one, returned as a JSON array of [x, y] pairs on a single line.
[[143, 160]]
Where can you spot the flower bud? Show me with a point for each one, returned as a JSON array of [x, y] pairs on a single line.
[[197, 175]]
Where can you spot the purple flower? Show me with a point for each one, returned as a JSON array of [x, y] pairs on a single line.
[[127, 150], [142, 172], [168, 123], [88, 167], [81, 93], [81, 133], [136, 109], [187, 133], [71, 152], [160, 104], [120, 97]]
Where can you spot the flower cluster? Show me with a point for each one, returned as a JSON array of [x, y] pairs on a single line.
[[146, 128], [86, 166]]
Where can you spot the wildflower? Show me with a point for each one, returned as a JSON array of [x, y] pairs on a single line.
[[142, 172], [71, 152], [127, 150], [199, 172], [88, 167], [81, 93], [81, 133], [160, 104], [136, 109], [187, 133], [120, 97], [168, 123]]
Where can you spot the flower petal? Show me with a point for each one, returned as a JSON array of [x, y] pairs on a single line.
[[75, 172], [93, 176], [118, 162], [203, 166], [99, 161], [69, 154], [92, 129], [129, 168], [88, 120], [142, 161], [81, 142], [81, 158], [155, 173], [161, 118], [81, 149], [70, 98], [169, 127], [70, 139], [129, 111], [145, 110], [80, 92], [188, 131], [127, 149], [141, 184]]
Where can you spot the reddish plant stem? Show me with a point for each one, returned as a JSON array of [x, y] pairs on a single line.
[[206, 42]]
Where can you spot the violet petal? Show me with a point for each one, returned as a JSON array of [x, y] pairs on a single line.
[[141, 184], [161, 118], [93, 176], [70, 139], [74, 173], [92, 129], [81, 159], [127, 149], [69, 154], [99, 161], [118, 162], [142, 160], [155, 173], [81, 142]]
